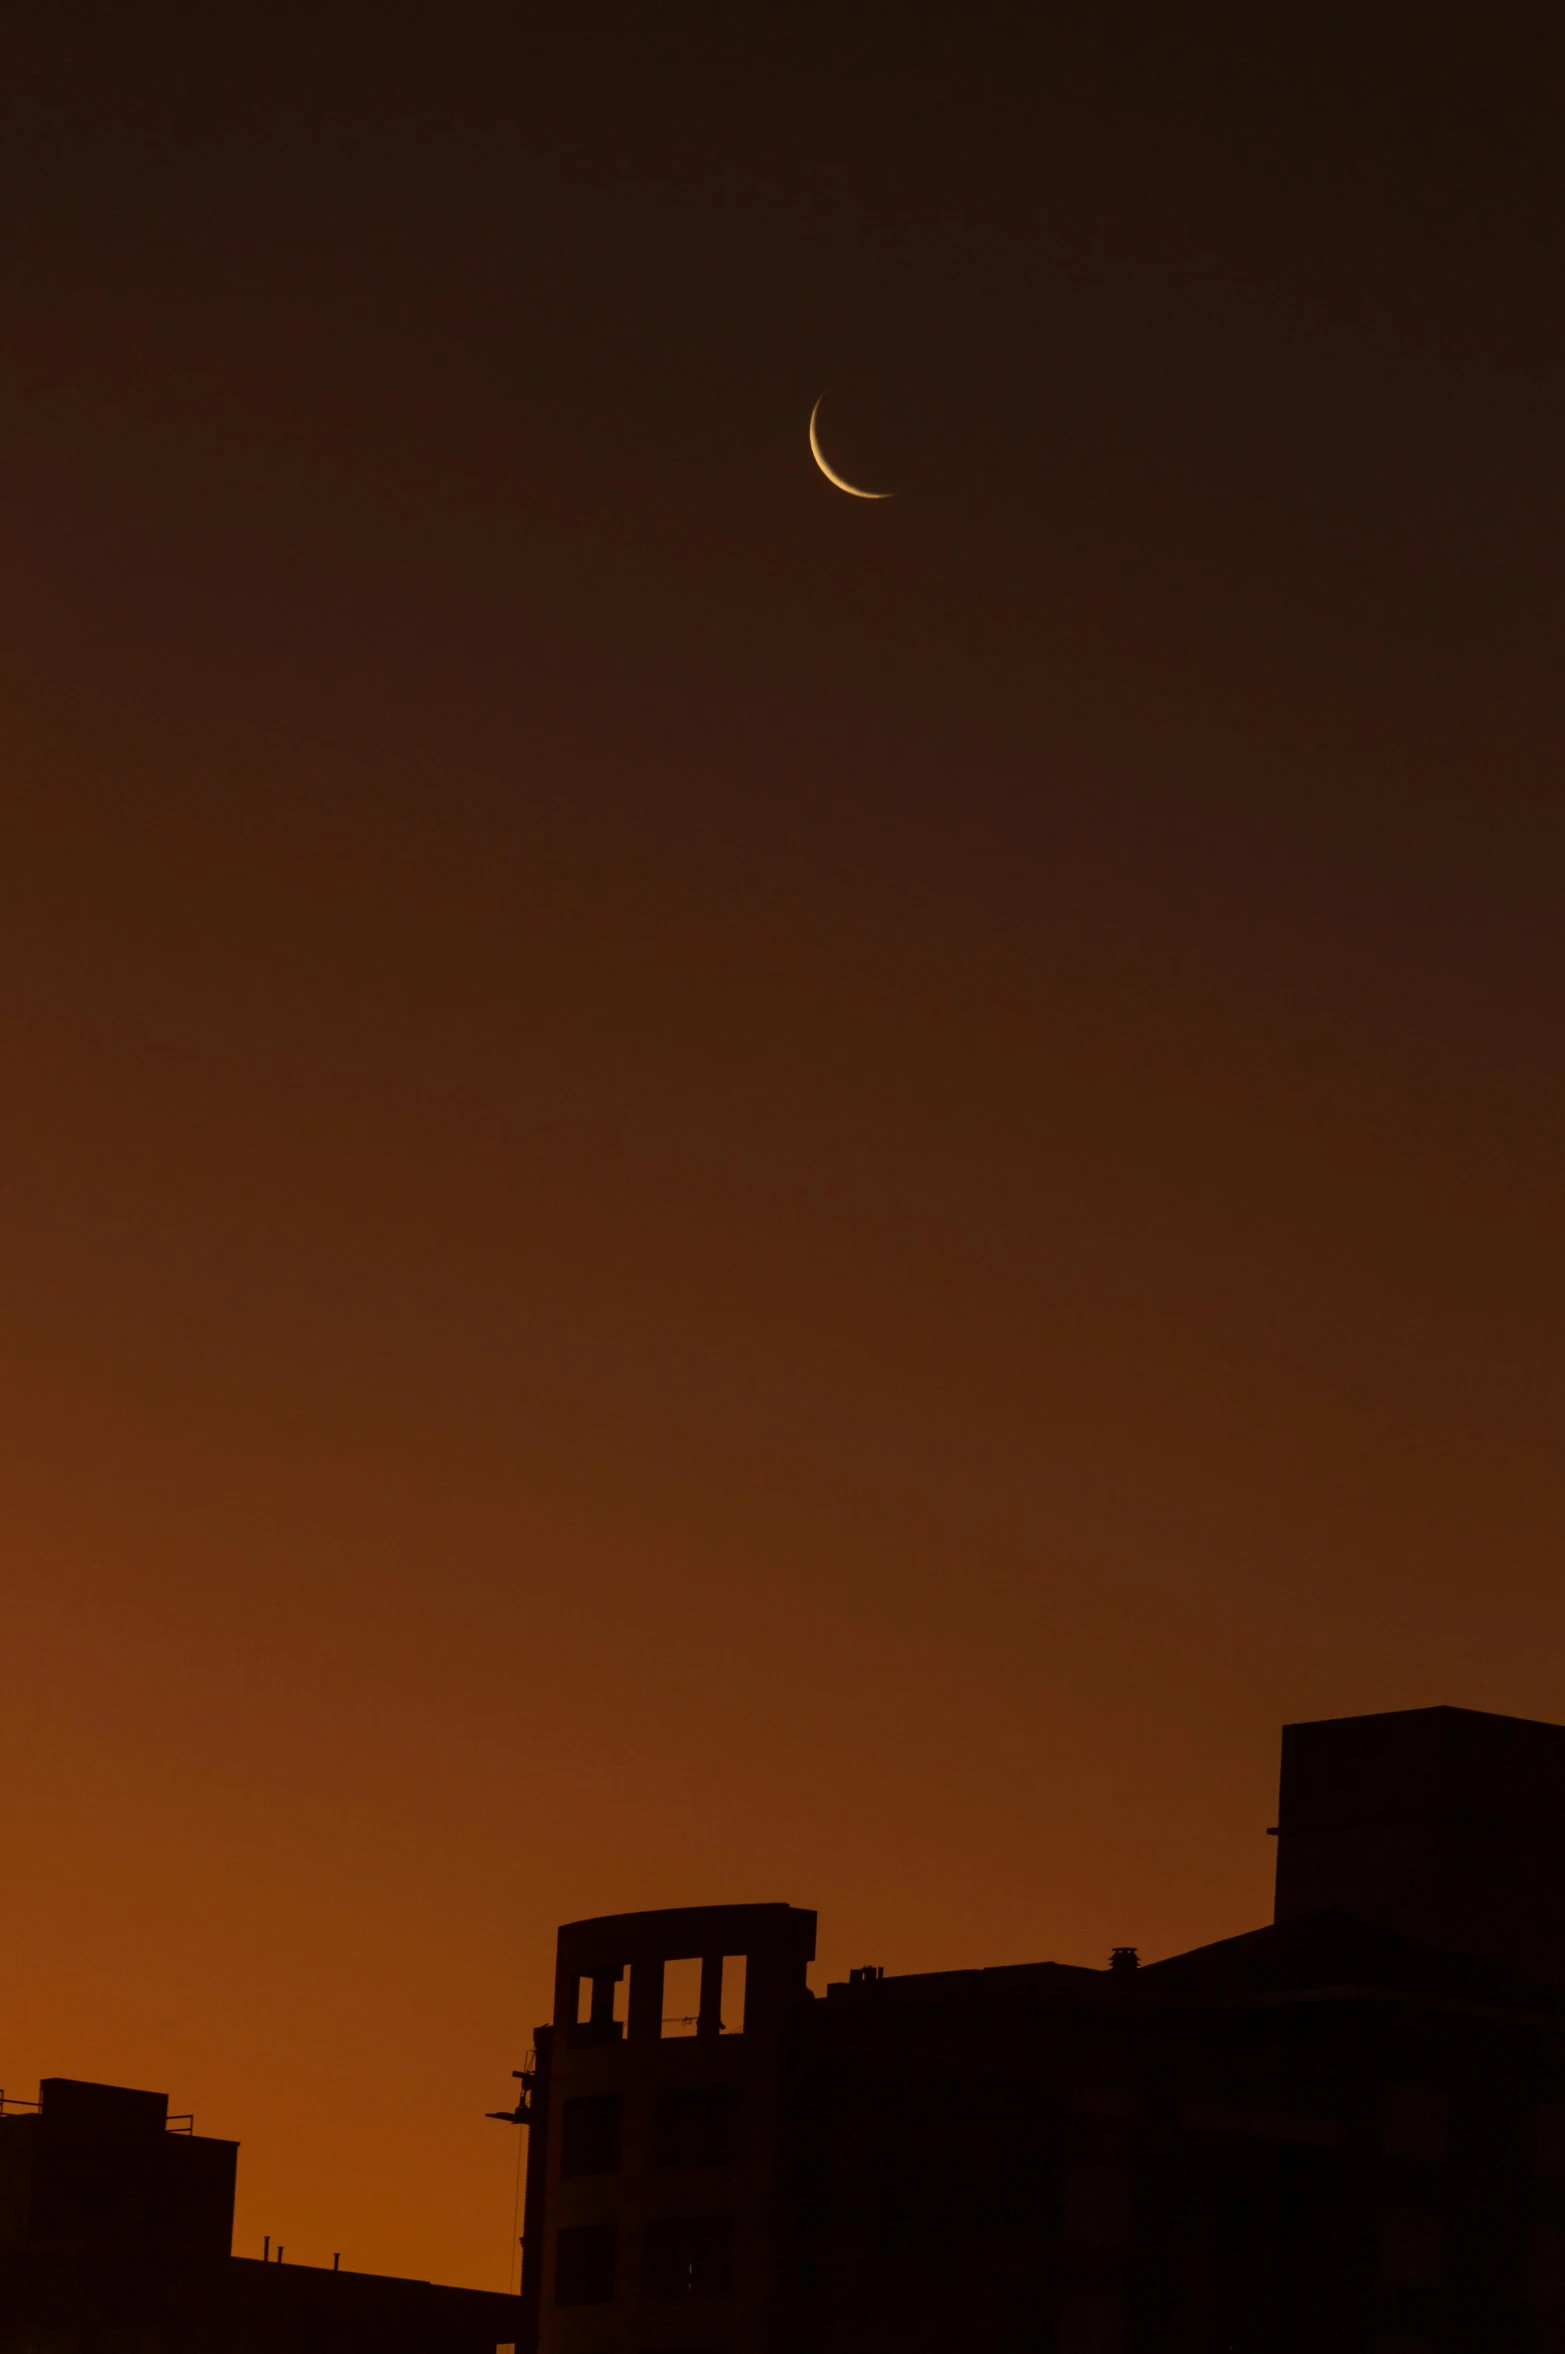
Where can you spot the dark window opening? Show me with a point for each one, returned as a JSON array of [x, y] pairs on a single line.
[[695, 2125], [1549, 2149], [689, 2257], [1091, 2325], [584, 2264], [590, 2141], [1548, 2270], [1417, 2123], [1410, 2250], [1097, 2205]]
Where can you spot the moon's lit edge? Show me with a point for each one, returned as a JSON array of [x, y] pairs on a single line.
[[819, 455]]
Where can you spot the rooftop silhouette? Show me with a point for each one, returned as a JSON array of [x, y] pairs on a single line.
[[116, 2232], [1345, 2129]]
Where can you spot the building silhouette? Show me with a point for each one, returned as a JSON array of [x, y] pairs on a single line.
[[1344, 2131], [116, 2226]]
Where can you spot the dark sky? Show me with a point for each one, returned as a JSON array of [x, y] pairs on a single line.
[[708, 1191]]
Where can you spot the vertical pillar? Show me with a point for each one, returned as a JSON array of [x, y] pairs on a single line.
[[603, 1985], [646, 2001], [709, 2020]]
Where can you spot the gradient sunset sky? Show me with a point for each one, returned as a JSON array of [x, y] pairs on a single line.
[[712, 1193]]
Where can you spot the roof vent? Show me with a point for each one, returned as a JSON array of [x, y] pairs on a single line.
[[1125, 1957]]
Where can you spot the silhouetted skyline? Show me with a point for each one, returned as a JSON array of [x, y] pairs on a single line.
[[116, 2230], [1344, 2129]]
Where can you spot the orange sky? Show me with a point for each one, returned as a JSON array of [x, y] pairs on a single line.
[[713, 1194]]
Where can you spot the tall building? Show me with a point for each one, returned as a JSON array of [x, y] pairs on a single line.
[[652, 2172], [1342, 2131]]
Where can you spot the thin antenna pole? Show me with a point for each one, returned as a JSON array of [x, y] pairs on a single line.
[[516, 2209]]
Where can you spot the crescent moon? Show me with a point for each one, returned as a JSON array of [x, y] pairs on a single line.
[[830, 472]]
